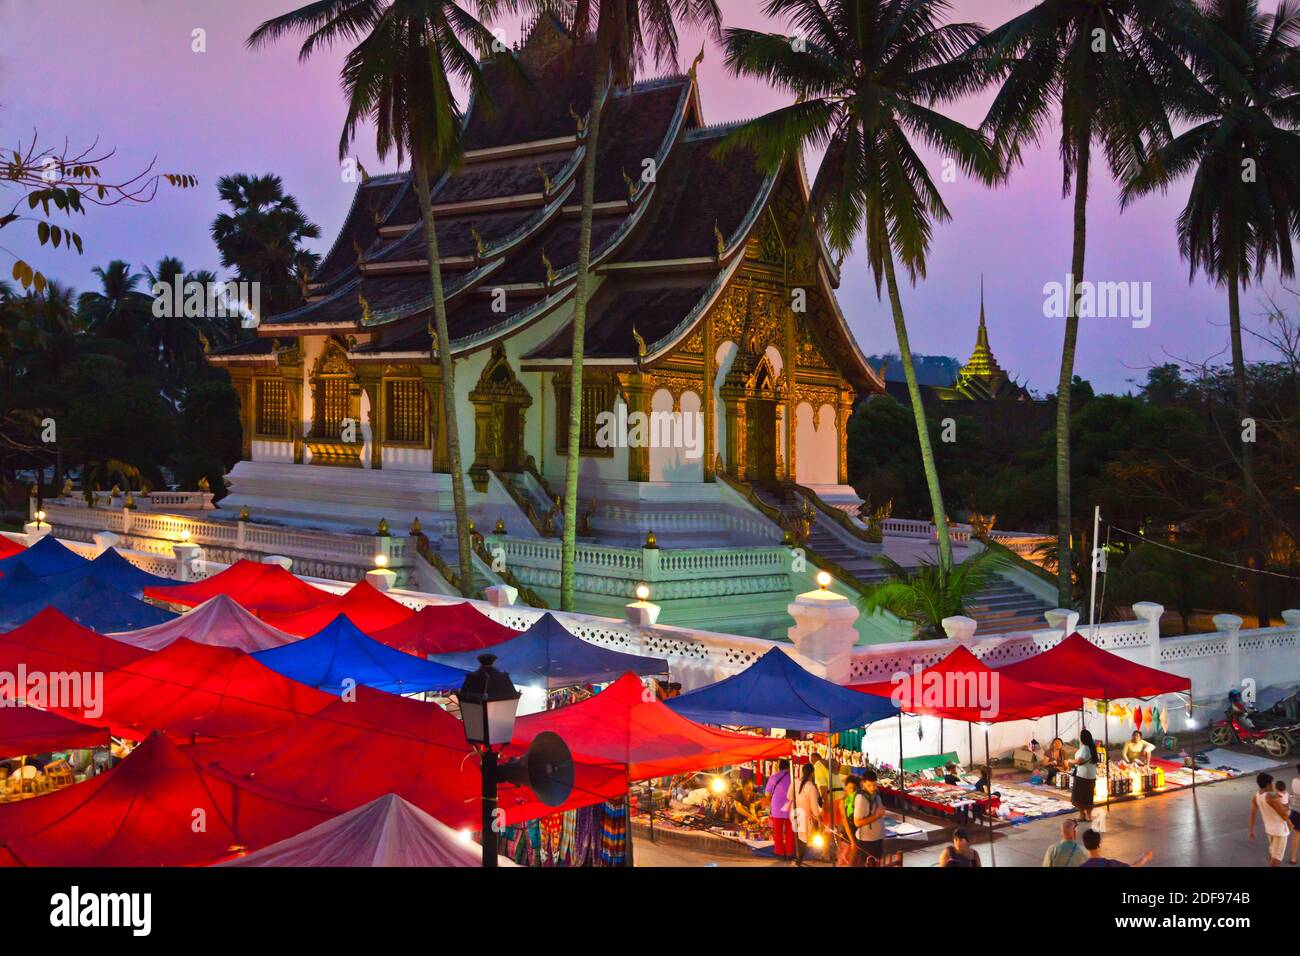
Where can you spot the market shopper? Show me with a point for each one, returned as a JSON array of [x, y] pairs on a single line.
[[959, 852], [1268, 806], [1294, 807], [1092, 843], [807, 811], [778, 809], [846, 831], [869, 820], [1069, 851], [1083, 792]]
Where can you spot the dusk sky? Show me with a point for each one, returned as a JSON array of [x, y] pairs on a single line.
[[123, 71]]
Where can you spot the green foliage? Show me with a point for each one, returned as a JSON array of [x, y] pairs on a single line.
[[928, 593]]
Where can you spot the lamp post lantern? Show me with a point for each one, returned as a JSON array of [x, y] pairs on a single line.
[[488, 704]]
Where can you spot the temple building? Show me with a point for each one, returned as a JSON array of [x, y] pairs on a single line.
[[712, 299]]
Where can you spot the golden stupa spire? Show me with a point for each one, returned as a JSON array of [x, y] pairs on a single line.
[[982, 364]]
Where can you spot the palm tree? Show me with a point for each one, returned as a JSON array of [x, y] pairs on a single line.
[[1243, 151], [120, 310], [626, 32], [262, 237], [399, 75], [929, 593], [176, 338], [1098, 63], [866, 75]]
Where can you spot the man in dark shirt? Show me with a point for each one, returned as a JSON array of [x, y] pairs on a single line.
[[1092, 843]]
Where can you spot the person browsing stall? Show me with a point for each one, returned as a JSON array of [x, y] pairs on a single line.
[[869, 819], [959, 852], [778, 808]]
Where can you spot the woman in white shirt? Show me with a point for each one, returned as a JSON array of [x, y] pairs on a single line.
[[808, 810], [1085, 776]]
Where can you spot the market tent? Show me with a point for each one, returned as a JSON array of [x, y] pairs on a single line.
[[547, 655], [961, 687], [144, 812], [21, 594], [29, 730], [53, 643], [365, 606], [261, 588], [355, 751], [218, 621], [340, 657], [1078, 666], [625, 725], [47, 556], [99, 608], [387, 831], [111, 570], [775, 691], [10, 547], [194, 692], [445, 629]]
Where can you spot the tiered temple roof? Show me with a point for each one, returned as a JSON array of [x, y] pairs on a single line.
[[508, 218]]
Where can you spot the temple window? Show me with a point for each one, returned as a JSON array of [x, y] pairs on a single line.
[[597, 397], [272, 404], [405, 405]]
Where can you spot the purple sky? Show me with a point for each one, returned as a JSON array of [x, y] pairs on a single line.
[[124, 72]]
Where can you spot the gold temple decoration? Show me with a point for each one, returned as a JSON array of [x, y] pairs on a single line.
[[546, 180], [500, 527], [981, 525], [415, 527], [67, 488], [721, 240], [382, 530], [631, 184], [651, 542], [640, 344], [695, 64], [360, 253], [207, 346], [243, 513], [578, 121], [204, 484], [479, 246], [116, 491], [365, 309], [550, 269], [129, 503]]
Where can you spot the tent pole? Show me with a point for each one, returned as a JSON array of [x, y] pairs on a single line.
[[1105, 729], [1192, 749], [988, 807], [902, 780]]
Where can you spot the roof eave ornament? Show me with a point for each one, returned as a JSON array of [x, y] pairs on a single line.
[[640, 347], [695, 64]]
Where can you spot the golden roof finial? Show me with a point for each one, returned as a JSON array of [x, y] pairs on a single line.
[[699, 58], [478, 242], [546, 180], [640, 343], [550, 269], [721, 240], [365, 309]]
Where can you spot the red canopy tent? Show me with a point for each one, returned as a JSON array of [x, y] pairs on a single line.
[[1078, 666], [194, 692], [143, 813], [51, 642], [364, 605], [960, 686], [620, 726], [9, 548], [29, 730], [261, 588], [445, 629], [355, 751]]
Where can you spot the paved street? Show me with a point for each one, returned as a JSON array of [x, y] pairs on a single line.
[[1205, 830]]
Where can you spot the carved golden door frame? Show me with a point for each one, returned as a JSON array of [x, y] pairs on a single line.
[[333, 372], [500, 401]]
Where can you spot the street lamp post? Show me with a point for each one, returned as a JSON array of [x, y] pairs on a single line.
[[488, 704]]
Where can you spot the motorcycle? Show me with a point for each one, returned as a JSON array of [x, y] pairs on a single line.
[[1275, 741]]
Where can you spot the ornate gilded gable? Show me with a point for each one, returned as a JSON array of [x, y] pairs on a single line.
[[498, 382]]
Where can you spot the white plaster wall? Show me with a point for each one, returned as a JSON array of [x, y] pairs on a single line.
[[675, 463], [816, 450]]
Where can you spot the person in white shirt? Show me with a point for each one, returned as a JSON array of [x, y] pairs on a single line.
[[808, 811], [1267, 805], [1085, 776], [1295, 817]]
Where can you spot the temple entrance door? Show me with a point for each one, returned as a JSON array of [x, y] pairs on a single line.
[[761, 450]]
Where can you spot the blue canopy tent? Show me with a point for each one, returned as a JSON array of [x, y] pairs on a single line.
[[93, 605], [547, 655], [20, 589], [775, 691], [342, 652], [46, 556], [111, 570]]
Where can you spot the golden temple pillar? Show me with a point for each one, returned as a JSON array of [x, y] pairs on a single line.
[[372, 385], [842, 433], [636, 392], [432, 376], [707, 398]]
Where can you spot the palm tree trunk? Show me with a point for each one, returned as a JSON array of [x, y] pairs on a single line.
[[1064, 584], [466, 567], [918, 410], [1254, 531], [581, 294]]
